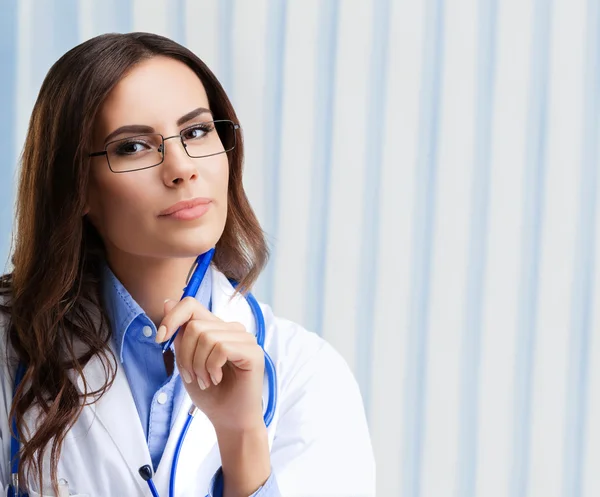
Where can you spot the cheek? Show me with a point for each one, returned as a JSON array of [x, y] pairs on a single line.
[[221, 175], [224, 185], [219, 181], [120, 208]]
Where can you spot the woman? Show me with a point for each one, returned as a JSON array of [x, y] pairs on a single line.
[[132, 167]]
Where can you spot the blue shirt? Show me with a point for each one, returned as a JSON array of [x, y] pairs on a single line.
[[157, 396]]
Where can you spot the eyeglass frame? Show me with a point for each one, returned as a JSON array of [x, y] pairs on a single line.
[[105, 151]]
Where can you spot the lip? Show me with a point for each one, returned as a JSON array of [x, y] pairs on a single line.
[[187, 207]]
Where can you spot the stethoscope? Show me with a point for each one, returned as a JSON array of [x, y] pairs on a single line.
[[201, 266]]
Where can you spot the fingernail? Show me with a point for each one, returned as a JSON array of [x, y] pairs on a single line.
[[185, 375], [160, 334], [166, 300], [214, 380], [201, 384]]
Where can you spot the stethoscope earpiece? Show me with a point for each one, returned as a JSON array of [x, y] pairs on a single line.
[[145, 472]]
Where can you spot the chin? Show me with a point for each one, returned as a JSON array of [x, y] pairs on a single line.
[[189, 251], [191, 244]]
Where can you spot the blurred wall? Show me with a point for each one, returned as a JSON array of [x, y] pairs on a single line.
[[427, 175]]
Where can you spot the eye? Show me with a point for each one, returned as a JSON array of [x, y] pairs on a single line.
[[131, 147], [197, 131]]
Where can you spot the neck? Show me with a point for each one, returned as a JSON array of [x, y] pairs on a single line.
[[150, 280]]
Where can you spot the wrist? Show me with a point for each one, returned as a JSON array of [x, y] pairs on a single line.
[[248, 424], [245, 459]]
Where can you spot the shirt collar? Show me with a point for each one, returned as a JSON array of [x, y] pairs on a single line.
[[122, 310]]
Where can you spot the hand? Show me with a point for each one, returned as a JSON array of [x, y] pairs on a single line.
[[221, 364]]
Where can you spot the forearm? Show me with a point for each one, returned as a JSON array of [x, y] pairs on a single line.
[[245, 460]]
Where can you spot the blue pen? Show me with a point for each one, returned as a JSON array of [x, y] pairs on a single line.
[[191, 289]]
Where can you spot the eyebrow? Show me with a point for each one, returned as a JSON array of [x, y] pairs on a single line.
[[141, 128]]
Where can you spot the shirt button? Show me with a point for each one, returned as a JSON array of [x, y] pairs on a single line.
[[162, 398], [147, 331]]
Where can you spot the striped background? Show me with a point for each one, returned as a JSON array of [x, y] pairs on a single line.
[[426, 171]]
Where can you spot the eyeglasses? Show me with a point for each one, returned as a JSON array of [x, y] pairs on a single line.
[[147, 150]]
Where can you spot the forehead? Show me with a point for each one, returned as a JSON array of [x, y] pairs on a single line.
[[156, 92]]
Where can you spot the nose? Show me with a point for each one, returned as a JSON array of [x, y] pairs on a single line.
[[178, 166]]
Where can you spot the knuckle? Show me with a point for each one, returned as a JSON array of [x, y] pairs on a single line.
[[204, 338], [194, 326], [220, 348], [211, 363], [189, 300], [238, 326], [191, 327]]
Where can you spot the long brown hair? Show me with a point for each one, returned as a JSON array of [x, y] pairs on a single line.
[[52, 296]]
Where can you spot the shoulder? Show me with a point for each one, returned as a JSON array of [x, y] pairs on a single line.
[[301, 348], [306, 361]]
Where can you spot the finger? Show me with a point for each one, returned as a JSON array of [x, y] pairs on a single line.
[[183, 311], [168, 306], [195, 341], [243, 355]]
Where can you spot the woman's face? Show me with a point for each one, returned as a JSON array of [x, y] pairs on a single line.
[[163, 96]]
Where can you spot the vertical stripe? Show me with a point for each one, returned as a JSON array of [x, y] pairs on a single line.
[[374, 132], [416, 353], [480, 190], [43, 53], [471, 352], [113, 16], [326, 50], [226, 8], [8, 99], [530, 249], [66, 26], [176, 17], [273, 131], [582, 292]]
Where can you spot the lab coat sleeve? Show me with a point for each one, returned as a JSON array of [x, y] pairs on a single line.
[[322, 445]]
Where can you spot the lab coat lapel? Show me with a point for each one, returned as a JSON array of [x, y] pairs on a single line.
[[117, 413]]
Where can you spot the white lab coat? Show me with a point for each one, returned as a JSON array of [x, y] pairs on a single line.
[[319, 440]]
